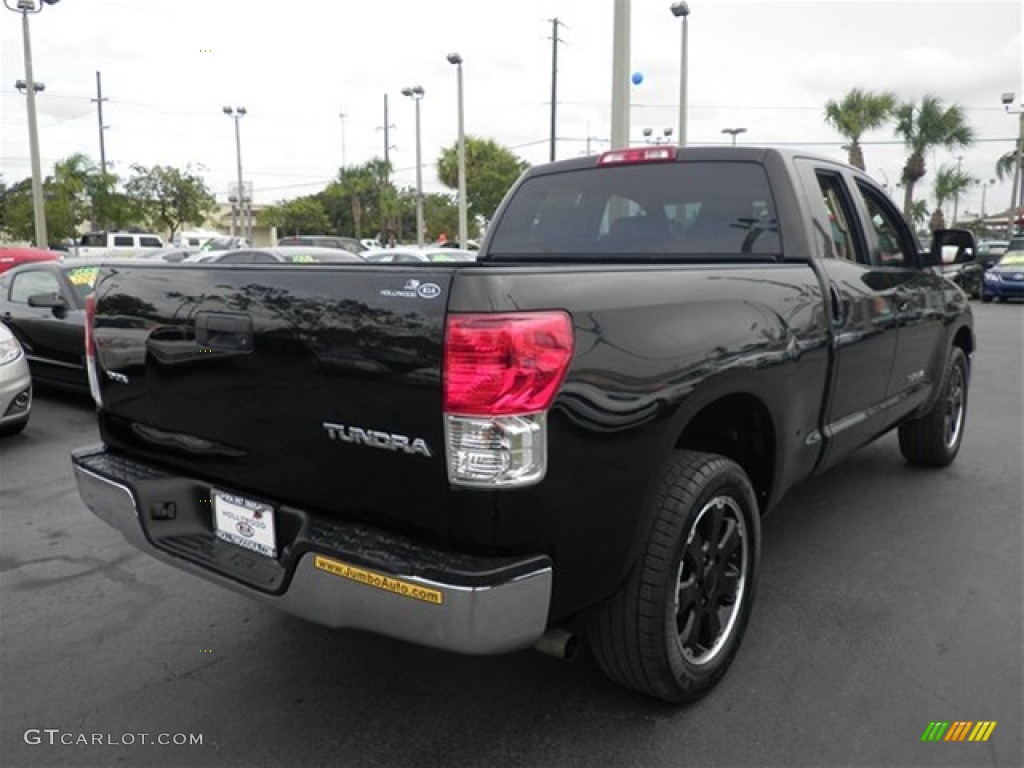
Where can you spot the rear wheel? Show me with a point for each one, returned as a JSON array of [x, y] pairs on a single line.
[[675, 625], [934, 439]]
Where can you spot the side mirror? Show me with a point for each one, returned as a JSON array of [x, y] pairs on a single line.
[[53, 301], [961, 239]]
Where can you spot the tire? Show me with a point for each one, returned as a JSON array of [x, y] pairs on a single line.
[[676, 624], [986, 299], [934, 439]]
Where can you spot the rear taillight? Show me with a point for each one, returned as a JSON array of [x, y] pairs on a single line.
[[90, 349], [501, 373]]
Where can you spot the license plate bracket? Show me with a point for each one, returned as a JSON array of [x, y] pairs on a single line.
[[244, 522]]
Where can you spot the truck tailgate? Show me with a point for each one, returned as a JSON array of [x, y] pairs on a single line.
[[314, 384]]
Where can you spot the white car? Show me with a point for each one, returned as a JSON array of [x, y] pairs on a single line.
[[431, 254], [15, 384], [116, 244]]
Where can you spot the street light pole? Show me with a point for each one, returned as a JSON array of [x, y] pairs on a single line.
[[984, 187], [416, 94], [1017, 190], [25, 7], [734, 132], [682, 10], [237, 113], [456, 59]]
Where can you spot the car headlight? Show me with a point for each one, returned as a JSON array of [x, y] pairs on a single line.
[[991, 277], [10, 350]]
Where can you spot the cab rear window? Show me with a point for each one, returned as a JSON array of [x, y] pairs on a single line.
[[666, 211]]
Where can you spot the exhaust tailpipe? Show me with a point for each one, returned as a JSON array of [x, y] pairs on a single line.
[[560, 643]]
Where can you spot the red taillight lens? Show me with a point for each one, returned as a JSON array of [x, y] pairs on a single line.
[[90, 314], [643, 155], [501, 364]]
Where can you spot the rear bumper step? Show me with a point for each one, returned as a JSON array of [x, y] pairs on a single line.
[[336, 574]]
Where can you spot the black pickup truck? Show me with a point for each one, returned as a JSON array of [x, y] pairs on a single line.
[[575, 436]]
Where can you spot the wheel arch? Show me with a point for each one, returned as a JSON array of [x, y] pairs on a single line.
[[738, 426]]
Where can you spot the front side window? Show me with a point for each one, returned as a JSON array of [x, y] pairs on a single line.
[[150, 242], [652, 211], [30, 283], [893, 246]]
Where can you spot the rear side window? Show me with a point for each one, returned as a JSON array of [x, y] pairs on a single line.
[[123, 240], [656, 211]]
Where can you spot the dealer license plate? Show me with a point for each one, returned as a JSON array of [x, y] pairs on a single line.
[[246, 523]]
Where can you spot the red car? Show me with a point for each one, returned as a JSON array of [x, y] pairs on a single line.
[[12, 257]]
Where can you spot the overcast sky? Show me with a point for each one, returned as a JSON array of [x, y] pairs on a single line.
[[168, 67]]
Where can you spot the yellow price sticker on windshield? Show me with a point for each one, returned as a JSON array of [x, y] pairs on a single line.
[[83, 275]]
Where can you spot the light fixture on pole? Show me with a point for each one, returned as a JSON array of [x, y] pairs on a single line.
[[734, 132], [237, 113], [25, 7], [682, 10], [657, 140], [1017, 190], [416, 94], [456, 59]]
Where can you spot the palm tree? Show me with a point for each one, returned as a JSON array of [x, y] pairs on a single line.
[[1006, 165], [858, 112], [356, 183], [925, 126], [950, 183]]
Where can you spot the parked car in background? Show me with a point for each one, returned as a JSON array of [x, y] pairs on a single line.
[[116, 244], [193, 240], [431, 254], [325, 241], [279, 255], [43, 304], [12, 257], [471, 245], [15, 384], [989, 251], [1006, 279], [224, 244], [170, 255]]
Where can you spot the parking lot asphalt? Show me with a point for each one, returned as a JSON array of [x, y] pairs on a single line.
[[890, 597]]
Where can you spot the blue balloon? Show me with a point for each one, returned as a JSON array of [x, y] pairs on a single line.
[[638, 77]]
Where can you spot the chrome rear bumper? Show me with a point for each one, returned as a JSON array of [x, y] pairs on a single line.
[[480, 607]]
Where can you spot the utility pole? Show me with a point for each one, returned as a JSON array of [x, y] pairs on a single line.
[[96, 223], [620, 75], [387, 140], [342, 115], [99, 111], [555, 23]]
